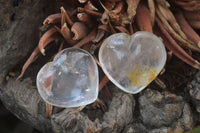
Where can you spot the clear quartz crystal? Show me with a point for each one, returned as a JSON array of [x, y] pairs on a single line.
[[70, 80], [132, 62]]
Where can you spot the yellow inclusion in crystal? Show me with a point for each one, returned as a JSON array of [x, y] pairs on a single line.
[[141, 75]]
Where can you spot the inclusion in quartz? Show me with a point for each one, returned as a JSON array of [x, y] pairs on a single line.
[[132, 62], [70, 80]]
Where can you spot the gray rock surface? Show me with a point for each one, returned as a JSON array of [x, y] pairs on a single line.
[[19, 29], [194, 91], [23, 100], [119, 114], [162, 130], [26, 104], [165, 112], [135, 128], [184, 124], [187, 120], [159, 109]]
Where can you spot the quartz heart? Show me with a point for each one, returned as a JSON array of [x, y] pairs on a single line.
[[70, 80], [132, 62]]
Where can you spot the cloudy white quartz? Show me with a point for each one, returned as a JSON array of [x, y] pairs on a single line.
[[71, 80], [132, 62]]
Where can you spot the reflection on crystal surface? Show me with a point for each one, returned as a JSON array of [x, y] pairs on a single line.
[[132, 62], [71, 80]]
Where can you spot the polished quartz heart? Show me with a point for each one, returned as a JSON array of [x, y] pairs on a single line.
[[132, 62], [70, 80]]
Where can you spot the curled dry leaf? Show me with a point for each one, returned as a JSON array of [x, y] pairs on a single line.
[[118, 8], [192, 15], [109, 5], [103, 82], [67, 34], [187, 29], [188, 5], [195, 24], [162, 3], [48, 84], [89, 12], [115, 13], [143, 19], [171, 44], [82, 1], [167, 14], [132, 6], [100, 35], [107, 93], [122, 29], [53, 19], [131, 28], [79, 30], [49, 109], [65, 17], [35, 54], [111, 27], [86, 19], [105, 16], [151, 6], [48, 37], [86, 39], [104, 27], [174, 34], [90, 6]]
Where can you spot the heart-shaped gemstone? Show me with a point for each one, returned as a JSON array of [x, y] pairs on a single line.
[[70, 80], [132, 62]]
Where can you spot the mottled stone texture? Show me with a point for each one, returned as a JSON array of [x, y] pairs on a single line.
[[151, 111], [19, 29], [194, 91], [23, 100], [119, 114], [135, 128], [164, 112], [19, 34], [160, 109]]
